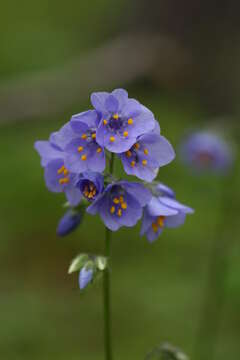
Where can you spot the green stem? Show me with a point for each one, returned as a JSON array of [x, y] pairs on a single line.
[[106, 288]]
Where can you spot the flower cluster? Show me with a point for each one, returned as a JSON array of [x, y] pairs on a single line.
[[74, 162]]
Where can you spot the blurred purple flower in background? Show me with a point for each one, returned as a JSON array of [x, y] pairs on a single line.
[[122, 120], [121, 204], [163, 211], [207, 151]]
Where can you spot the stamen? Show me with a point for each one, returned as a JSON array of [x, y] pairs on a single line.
[[84, 157], [65, 172], [121, 199], [99, 150], [64, 181], [145, 151], [155, 227], [116, 200], [105, 122], [80, 148], [160, 221], [130, 121], [119, 212], [128, 153], [144, 162], [61, 170], [115, 116], [136, 146], [112, 138], [84, 136], [112, 210], [94, 136], [133, 163], [125, 134], [124, 205]]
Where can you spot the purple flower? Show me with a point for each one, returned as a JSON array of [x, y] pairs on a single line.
[[91, 185], [120, 204], [206, 151], [145, 157], [59, 179], [69, 222], [53, 148], [163, 211], [85, 276], [83, 153], [122, 120]]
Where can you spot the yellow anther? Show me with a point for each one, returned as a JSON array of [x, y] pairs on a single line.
[[136, 146], [112, 210], [80, 148], [130, 121], [86, 193], [128, 153], [121, 199], [65, 172], [144, 162], [94, 192], [125, 134], [145, 151], [64, 181], [84, 136], [155, 227], [115, 116], [99, 150], [84, 157], [112, 138], [124, 206], [105, 122], [160, 221], [133, 163], [61, 170], [93, 135], [90, 195], [119, 212], [116, 200]]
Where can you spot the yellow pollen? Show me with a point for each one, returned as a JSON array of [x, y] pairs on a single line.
[[61, 170], [90, 195], [112, 210], [105, 121], [86, 193], [112, 138], [145, 151], [121, 199], [160, 221], [84, 136], [125, 134], [119, 212], [80, 148], [116, 200], [64, 181], [94, 192], [84, 157], [124, 206], [144, 162], [128, 153], [155, 227], [133, 163], [94, 136], [136, 146], [99, 150], [115, 116], [130, 121], [65, 172]]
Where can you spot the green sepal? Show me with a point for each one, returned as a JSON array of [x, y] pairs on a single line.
[[78, 263], [101, 263]]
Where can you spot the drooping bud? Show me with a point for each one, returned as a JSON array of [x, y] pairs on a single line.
[[69, 222]]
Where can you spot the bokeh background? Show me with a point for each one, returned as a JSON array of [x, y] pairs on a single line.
[[181, 59]]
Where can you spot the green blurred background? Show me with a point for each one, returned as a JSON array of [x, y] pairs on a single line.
[[157, 289]]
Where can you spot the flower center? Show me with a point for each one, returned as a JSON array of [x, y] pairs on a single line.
[[133, 154], [158, 223], [118, 205], [89, 190], [64, 178]]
